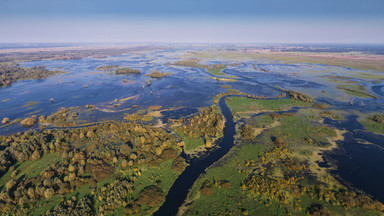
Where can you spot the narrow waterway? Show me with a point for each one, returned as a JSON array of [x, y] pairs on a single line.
[[179, 190]]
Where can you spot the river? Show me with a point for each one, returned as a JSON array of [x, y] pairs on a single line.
[[179, 190]]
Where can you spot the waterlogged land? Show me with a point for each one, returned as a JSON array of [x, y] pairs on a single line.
[[150, 130]]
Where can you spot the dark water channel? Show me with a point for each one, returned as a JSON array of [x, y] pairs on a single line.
[[179, 190]]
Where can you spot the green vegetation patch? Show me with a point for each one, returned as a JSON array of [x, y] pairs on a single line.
[[127, 71], [214, 69], [261, 121], [162, 176], [30, 169], [300, 129], [191, 143], [317, 114], [217, 70], [226, 179], [157, 74], [107, 67], [240, 105], [374, 123], [356, 90]]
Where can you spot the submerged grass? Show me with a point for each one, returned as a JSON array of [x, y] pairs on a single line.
[[30, 103]]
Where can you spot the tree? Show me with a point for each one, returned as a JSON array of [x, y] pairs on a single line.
[[124, 163], [71, 168], [208, 143], [10, 184], [247, 132], [36, 155], [49, 193], [90, 134], [31, 192]]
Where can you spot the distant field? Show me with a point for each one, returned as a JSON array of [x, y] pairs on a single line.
[[353, 60]]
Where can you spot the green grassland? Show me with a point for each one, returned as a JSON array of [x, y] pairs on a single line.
[[190, 143], [161, 175]]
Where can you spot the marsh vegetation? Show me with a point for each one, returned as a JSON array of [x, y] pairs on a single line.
[[126, 70], [157, 74]]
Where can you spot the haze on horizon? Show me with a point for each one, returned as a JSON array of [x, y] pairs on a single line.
[[198, 21]]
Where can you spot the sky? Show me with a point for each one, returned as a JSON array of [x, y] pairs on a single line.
[[193, 21]]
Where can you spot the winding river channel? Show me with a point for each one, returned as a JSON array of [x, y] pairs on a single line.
[[179, 190]]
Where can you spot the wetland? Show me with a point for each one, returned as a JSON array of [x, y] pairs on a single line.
[[191, 130]]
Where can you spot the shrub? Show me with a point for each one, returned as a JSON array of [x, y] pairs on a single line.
[[5, 120], [29, 122]]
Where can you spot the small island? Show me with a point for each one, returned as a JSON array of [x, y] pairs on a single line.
[[157, 74], [127, 71]]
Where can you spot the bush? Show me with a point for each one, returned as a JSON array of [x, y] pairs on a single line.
[[247, 132], [377, 118], [29, 122], [5, 120], [151, 196]]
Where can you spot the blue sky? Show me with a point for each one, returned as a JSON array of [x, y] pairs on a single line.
[[241, 21]]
